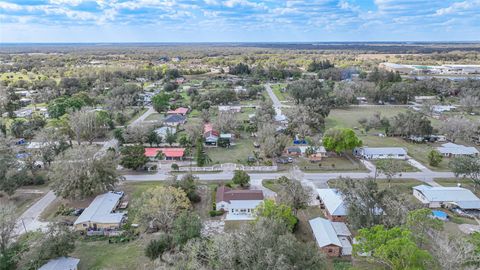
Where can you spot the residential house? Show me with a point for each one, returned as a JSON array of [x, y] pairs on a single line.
[[318, 153], [61, 263], [333, 238], [381, 152], [174, 120], [455, 150], [293, 151], [100, 214], [435, 197], [233, 109], [210, 135], [163, 131], [168, 153], [240, 89], [181, 111], [443, 108], [331, 201], [239, 204], [227, 137]]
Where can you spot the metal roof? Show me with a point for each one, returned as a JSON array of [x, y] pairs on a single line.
[[100, 210], [462, 197], [384, 151], [333, 201], [324, 232], [62, 263], [457, 149]]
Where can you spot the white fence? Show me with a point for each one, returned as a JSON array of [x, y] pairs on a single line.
[[229, 167]]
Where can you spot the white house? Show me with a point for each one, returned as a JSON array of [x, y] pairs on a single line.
[[435, 197], [381, 152], [239, 204], [100, 214], [333, 238], [455, 150], [62, 263]]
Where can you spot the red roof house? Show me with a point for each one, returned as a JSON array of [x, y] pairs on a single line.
[[181, 111], [169, 153]]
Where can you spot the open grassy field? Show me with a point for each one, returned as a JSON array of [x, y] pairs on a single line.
[[235, 154], [16, 76], [96, 255], [406, 167], [155, 117], [339, 163], [348, 117]]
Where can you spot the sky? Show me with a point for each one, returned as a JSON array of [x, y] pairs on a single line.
[[238, 20]]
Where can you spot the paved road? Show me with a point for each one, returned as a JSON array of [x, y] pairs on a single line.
[[29, 220], [144, 116], [319, 179], [273, 97]]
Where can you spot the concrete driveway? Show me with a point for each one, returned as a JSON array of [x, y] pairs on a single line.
[[30, 220]]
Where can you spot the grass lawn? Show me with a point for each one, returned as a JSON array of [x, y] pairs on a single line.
[[406, 167], [155, 117], [235, 225], [348, 117], [340, 163], [236, 154], [102, 255], [271, 184], [282, 96], [303, 231], [21, 200]]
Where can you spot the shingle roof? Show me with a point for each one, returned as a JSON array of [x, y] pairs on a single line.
[[100, 210], [463, 197], [457, 149], [175, 118], [226, 195], [333, 201], [62, 263], [324, 232]]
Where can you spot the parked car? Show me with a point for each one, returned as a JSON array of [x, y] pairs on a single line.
[[284, 160]]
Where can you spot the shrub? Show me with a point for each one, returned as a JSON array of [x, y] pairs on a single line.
[[214, 213]]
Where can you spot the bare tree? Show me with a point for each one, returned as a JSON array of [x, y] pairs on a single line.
[[470, 102], [194, 130], [86, 125], [457, 127], [454, 252], [7, 225], [293, 194], [226, 122]]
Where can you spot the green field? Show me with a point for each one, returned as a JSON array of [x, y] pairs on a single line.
[[238, 153], [154, 117], [102, 255], [277, 90], [348, 118], [329, 164], [406, 167]]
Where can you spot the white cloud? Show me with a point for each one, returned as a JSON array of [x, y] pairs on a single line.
[[10, 6], [459, 7]]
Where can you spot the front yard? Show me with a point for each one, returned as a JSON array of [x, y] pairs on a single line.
[[329, 164]]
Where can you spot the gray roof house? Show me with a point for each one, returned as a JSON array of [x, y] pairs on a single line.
[[163, 131], [454, 150], [435, 197], [331, 200], [61, 263], [100, 213], [174, 120], [326, 235], [382, 152]]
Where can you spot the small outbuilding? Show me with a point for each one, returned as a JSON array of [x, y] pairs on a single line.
[[330, 241], [62, 263]]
